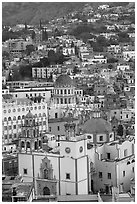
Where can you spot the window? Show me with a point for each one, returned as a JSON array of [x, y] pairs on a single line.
[[67, 176], [124, 173], [109, 175], [25, 171], [10, 136], [61, 91], [100, 175], [132, 148], [108, 155], [65, 91], [19, 118], [68, 91], [5, 119], [14, 126], [45, 173], [126, 115], [125, 152], [49, 129], [58, 128], [5, 127], [56, 115], [101, 138], [5, 137], [9, 111], [133, 169], [65, 100], [9, 118], [61, 100]]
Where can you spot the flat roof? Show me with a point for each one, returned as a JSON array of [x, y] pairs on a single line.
[[66, 119]]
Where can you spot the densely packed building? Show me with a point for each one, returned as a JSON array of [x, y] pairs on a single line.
[[68, 110]]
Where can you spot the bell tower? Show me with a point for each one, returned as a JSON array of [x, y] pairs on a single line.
[[30, 138], [70, 130]]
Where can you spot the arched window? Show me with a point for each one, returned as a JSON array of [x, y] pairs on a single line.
[[39, 114], [5, 119], [45, 173], [22, 144], [128, 162], [133, 161], [19, 117], [23, 116], [28, 144], [9, 118]]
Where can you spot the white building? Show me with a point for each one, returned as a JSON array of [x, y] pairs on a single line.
[[129, 55], [101, 59], [70, 168], [13, 114], [123, 67], [114, 166]]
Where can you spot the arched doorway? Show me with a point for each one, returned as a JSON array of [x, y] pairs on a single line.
[[46, 191]]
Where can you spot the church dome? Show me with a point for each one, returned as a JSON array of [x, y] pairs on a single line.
[[64, 81], [97, 126]]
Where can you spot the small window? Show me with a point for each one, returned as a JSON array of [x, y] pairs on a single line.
[[124, 173], [25, 171], [56, 115], [100, 175], [125, 152], [49, 129], [109, 175], [14, 126], [67, 176], [58, 128], [108, 155], [101, 138], [133, 169]]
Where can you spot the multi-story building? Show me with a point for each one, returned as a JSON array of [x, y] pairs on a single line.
[[114, 166], [13, 114], [45, 72], [17, 45]]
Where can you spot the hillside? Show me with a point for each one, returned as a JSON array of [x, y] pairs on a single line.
[[32, 12]]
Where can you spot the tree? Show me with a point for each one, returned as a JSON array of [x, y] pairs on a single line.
[[29, 49], [112, 60], [52, 56]]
